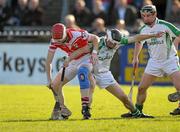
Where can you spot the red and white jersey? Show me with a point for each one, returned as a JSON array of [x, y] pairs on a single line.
[[75, 39]]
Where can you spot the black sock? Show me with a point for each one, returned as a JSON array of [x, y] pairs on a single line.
[[136, 112], [139, 107]]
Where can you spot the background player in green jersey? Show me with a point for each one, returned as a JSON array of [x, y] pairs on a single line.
[[163, 55]]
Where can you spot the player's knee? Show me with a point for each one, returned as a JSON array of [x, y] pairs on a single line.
[[83, 77], [55, 86]]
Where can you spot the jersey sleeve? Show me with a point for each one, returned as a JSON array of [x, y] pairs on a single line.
[[172, 30]]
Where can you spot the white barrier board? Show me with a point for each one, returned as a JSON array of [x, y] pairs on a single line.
[[25, 63]]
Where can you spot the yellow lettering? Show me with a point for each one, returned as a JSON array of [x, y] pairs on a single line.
[[143, 57], [139, 73], [130, 55]]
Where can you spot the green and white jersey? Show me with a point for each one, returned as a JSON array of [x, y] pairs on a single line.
[[106, 54], [161, 48]]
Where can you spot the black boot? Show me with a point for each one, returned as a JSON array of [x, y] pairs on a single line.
[[175, 112], [86, 112]]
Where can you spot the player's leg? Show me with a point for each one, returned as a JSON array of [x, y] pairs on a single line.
[[92, 87], [144, 84], [59, 100], [115, 90], [175, 77], [60, 110], [106, 81], [83, 77], [57, 87]]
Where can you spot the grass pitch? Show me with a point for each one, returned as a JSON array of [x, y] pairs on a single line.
[[28, 108]]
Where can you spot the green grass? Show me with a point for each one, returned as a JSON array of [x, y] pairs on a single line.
[[28, 108]]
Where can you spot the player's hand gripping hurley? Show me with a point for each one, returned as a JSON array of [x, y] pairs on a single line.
[[132, 82]]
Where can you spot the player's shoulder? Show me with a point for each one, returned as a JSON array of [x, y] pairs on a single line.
[[80, 32], [169, 26], [160, 21], [75, 33], [165, 23], [142, 28], [75, 30]]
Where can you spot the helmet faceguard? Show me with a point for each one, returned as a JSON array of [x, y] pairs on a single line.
[[114, 35]]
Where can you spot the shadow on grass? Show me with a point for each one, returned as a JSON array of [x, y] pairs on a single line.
[[157, 118]]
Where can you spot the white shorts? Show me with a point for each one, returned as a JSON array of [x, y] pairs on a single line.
[[160, 68], [104, 79], [71, 70]]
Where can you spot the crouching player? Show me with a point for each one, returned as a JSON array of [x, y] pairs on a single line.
[[104, 78], [70, 40]]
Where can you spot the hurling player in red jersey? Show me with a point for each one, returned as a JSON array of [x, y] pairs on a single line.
[[69, 40]]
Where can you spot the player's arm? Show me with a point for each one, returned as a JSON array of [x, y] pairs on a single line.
[[137, 50], [118, 37], [95, 41], [48, 66], [177, 42], [75, 54], [141, 37]]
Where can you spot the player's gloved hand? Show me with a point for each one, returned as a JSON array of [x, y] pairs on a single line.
[[94, 57], [66, 62]]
